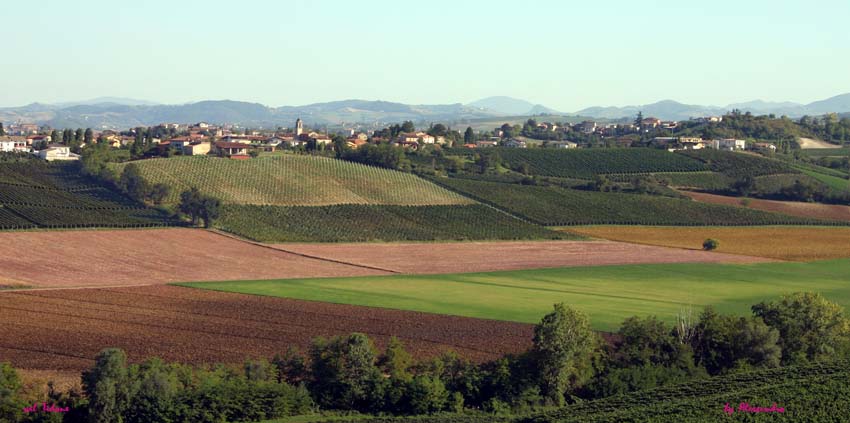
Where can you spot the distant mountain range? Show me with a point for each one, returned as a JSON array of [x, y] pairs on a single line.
[[112, 112]]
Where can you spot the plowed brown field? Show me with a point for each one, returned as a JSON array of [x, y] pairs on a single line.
[[460, 257], [793, 208], [65, 329], [133, 257]]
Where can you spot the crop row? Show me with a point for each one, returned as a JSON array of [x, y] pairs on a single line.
[[554, 206], [97, 197], [53, 217], [586, 163], [357, 222], [738, 164], [293, 180]]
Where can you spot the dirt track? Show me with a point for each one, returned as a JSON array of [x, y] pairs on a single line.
[[65, 329], [793, 208], [133, 257], [461, 257]]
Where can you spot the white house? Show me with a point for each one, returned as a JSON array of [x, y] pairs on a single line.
[[514, 144], [562, 144], [13, 143], [57, 152], [728, 144]]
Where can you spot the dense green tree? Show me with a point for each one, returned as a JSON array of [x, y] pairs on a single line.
[[340, 146], [291, 367], [562, 349], [79, 134], [438, 130], [10, 385], [158, 193], [108, 387], [468, 135], [810, 326], [88, 136], [407, 126], [133, 183], [199, 206], [156, 393], [344, 374], [2, 130]]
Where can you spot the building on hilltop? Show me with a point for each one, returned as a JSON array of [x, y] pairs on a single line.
[[299, 127]]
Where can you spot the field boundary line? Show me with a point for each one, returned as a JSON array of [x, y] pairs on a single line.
[[309, 256], [59, 288]]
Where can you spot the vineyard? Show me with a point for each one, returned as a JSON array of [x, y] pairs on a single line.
[[293, 180], [808, 393], [552, 206], [739, 164], [40, 195], [586, 163], [357, 222]]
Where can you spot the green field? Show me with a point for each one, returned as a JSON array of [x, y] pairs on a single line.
[[739, 164], [834, 179], [608, 294], [293, 180], [828, 152], [359, 223], [554, 206]]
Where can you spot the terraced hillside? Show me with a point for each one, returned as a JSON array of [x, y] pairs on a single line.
[[35, 194], [293, 180]]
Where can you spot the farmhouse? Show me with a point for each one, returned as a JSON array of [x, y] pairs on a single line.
[[483, 144], [514, 144], [562, 144], [197, 149], [416, 137], [13, 143], [764, 146], [728, 144], [231, 148], [57, 152]]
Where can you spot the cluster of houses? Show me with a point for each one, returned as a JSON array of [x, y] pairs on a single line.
[[695, 143], [203, 139]]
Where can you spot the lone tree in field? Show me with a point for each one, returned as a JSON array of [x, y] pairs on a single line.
[[563, 345], [710, 244]]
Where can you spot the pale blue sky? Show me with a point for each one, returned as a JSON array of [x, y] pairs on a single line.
[[566, 55]]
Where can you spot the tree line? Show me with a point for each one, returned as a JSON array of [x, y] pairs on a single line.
[[567, 362]]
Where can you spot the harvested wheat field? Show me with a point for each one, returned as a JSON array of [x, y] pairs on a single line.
[[793, 208], [133, 257], [460, 257], [65, 329], [778, 242]]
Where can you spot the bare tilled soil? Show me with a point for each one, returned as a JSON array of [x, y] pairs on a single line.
[[65, 329], [494, 256], [134, 257], [793, 208]]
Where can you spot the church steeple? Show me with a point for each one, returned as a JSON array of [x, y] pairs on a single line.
[[299, 127]]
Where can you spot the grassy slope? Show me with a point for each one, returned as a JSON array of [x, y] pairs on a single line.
[[608, 294], [832, 181], [293, 180]]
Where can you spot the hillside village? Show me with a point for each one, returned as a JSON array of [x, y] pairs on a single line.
[[227, 140]]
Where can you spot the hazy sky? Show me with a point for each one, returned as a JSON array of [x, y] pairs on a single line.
[[564, 54]]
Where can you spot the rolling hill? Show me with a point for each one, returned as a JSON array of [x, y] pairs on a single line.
[[293, 180]]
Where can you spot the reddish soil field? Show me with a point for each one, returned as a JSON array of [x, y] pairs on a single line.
[[134, 257], [494, 256], [63, 330], [793, 208]]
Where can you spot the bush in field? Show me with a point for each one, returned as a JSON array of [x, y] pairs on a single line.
[[710, 244]]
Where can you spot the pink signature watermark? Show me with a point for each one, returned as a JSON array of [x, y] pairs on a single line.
[[47, 408], [745, 407]]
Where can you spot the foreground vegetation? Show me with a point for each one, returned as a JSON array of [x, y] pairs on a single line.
[[778, 242], [360, 223], [647, 372], [608, 294]]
